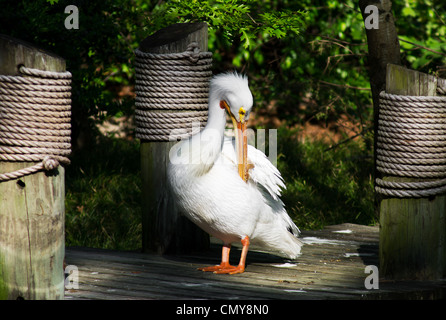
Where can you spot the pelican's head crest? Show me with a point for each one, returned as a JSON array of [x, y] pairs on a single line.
[[232, 89]]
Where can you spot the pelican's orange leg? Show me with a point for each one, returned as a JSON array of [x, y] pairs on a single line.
[[241, 266], [224, 261], [224, 266]]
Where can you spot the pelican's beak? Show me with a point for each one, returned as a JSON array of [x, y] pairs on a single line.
[[241, 139]]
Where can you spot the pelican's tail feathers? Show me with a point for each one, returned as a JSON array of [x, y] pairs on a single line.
[[279, 239], [291, 246]]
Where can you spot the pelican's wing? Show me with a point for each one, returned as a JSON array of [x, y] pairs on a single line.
[[264, 172], [266, 176]]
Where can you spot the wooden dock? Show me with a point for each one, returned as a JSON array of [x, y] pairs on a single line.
[[332, 266]]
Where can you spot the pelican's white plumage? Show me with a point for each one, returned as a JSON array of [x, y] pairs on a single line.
[[208, 189]]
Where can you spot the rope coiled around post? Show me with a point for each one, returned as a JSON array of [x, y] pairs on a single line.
[[171, 93], [411, 143], [35, 120]]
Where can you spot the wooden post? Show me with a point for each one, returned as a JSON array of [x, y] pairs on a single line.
[[32, 209], [165, 230], [413, 231]]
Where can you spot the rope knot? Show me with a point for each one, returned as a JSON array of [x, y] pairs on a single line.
[[194, 52], [50, 163]]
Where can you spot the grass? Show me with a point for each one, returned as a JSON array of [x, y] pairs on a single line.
[[326, 187], [103, 196]]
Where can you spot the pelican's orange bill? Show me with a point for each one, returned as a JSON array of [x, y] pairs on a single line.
[[242, 149], [241, 141]]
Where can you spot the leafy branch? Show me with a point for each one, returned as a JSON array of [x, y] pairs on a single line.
[[234, 18]]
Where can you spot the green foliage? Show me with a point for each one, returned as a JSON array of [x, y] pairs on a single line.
[[422, 27], [326, 66], [326, 187], [233, 18]]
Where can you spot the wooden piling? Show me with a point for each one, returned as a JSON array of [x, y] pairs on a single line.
[[165, 230], [413, 231], [32, 209]]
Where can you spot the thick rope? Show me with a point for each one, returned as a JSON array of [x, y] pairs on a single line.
[[35, 116], [171, 93], [412, 144]]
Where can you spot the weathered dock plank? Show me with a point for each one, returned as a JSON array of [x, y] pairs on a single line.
[[332, 266]]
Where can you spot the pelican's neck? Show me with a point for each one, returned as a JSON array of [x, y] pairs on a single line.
[[206, 145], [216, 117]]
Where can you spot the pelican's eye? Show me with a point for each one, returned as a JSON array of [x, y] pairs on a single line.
[[242, 113]]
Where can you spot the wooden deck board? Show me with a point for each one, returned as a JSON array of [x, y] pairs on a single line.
[[331, 267]]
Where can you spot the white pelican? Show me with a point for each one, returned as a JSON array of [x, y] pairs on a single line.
[[228, 189]]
